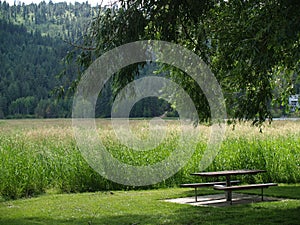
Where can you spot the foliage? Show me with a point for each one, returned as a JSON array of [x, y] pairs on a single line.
[[252, 47], [57, 20], [37, 155], [34, 41], [29, 63], [252, 40], [32, 45]]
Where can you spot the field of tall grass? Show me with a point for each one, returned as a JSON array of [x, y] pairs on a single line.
[[41, 155]]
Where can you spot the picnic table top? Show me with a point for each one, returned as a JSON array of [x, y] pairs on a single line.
[[228, 172]]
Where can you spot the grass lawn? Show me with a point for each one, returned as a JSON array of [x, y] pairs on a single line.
[[146, 207]]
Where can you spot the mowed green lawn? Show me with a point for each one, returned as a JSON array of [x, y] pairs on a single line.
[[147, 207]]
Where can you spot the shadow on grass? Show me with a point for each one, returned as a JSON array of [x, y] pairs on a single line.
[[290, 192], [242, 214], [280, 212], [255, 213], [200, 191]]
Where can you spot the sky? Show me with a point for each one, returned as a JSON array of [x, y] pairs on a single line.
[[92, 2]]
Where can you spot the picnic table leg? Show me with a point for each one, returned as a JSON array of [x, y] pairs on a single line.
[[228, 194]]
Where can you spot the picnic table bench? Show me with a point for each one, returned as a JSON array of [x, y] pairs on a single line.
[[244, 187], [207, 184], [227, 185]]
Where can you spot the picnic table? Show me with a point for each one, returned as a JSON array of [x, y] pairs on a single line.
[[227, 174]]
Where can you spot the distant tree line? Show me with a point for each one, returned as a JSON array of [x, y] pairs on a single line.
[[34, 41], [29, 63], [64, 20]]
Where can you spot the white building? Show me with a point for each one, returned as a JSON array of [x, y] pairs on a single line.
[[294, 102]]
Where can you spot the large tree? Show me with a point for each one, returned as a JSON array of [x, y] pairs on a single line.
[[252, 46]]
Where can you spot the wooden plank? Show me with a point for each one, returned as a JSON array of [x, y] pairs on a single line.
[[243, 187], [228, 172], [208, 184]]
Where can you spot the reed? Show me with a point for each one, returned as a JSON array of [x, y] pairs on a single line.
[[37, 155]]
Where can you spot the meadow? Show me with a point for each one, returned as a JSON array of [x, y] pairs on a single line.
[[41, 156]]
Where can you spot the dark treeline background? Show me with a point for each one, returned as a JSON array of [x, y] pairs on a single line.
[[34, 40]]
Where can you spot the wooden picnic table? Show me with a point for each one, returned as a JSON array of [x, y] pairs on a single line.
[[228, 174]]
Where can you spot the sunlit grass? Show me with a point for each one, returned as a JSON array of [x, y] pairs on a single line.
[[36, 155], [147, 207]]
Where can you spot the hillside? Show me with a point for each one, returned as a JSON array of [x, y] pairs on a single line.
[[34, 39], [62, 20]]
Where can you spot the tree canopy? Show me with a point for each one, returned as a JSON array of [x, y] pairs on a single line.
[[32, 44], [251, 46]]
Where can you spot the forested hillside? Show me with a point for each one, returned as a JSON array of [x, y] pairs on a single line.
[[33, 41], [29, 63], [66, 21]]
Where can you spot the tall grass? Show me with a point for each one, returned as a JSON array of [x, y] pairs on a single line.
[[37, 155]]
